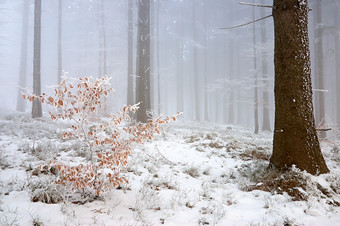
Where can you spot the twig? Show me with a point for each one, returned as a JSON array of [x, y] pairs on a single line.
[[241, 25], [326, 129], [257, 5]]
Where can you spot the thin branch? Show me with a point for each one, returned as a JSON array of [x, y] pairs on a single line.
[[241, 25], [257, 5], [326, 129]]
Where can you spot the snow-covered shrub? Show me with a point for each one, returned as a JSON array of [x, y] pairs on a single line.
[[108, 142], [192, 171], [45, 190]]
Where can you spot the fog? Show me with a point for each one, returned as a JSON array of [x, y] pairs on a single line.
[[209, 73]]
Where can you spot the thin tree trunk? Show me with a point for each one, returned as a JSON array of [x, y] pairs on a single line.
[[265, 107], [158, 65], [60, 61], [231, 118], [143, 61], [337, 62], [295, 139], [256, 101], [205, 65], [21, 103], [130, 93], [195, 65], [36, 105], [319, 69], [180, 77]]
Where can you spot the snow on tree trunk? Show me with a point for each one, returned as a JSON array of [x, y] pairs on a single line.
[[143, 61], [295, 139]]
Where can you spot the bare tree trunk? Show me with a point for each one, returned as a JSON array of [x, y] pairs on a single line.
[[36, 106], [158, 65], [265, 107], [295, 139], [103, 32], [21, 103], [205, 65], [319, 75], [180, 77], [143, 61], [103, 50], [256, 101], [195, 65], [231, 118], [130, 90], [336, 17], [60, 61]]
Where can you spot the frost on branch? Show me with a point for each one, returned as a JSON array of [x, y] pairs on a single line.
[[109, 143]]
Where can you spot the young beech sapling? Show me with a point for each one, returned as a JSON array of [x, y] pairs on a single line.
[[109, 143]]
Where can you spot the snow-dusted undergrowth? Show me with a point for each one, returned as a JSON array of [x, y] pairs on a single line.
[[192, 174]]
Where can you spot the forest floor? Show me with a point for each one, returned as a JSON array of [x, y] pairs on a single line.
[[191, 174]]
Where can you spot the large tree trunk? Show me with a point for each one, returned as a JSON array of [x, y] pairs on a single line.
[[143, 61], [60, 60], [21, 103], [265, 94], [130, 93], [295, 139], [36, 106]]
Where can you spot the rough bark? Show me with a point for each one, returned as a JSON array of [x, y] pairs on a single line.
[[21, 103], [36, 105], [143, 61], [295, 139]]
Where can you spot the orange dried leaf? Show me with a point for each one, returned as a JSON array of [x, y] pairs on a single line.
[[50, 99]]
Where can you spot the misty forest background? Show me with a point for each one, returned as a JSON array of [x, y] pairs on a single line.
[[209, 73]]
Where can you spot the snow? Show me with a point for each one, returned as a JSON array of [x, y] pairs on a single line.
[[191, 174]]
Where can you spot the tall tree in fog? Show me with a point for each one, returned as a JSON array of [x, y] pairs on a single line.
[[60, 24], [256, 100], [130, 92], [158, 61], [21, 103], [36, 105], [195, 61], [336, 17], [231, 70], [319, 69], [143, 61], [265, 94], [295, 139], [102, 40], [205, 65]]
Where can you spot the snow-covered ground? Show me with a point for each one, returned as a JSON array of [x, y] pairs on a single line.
[[191, 174]]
